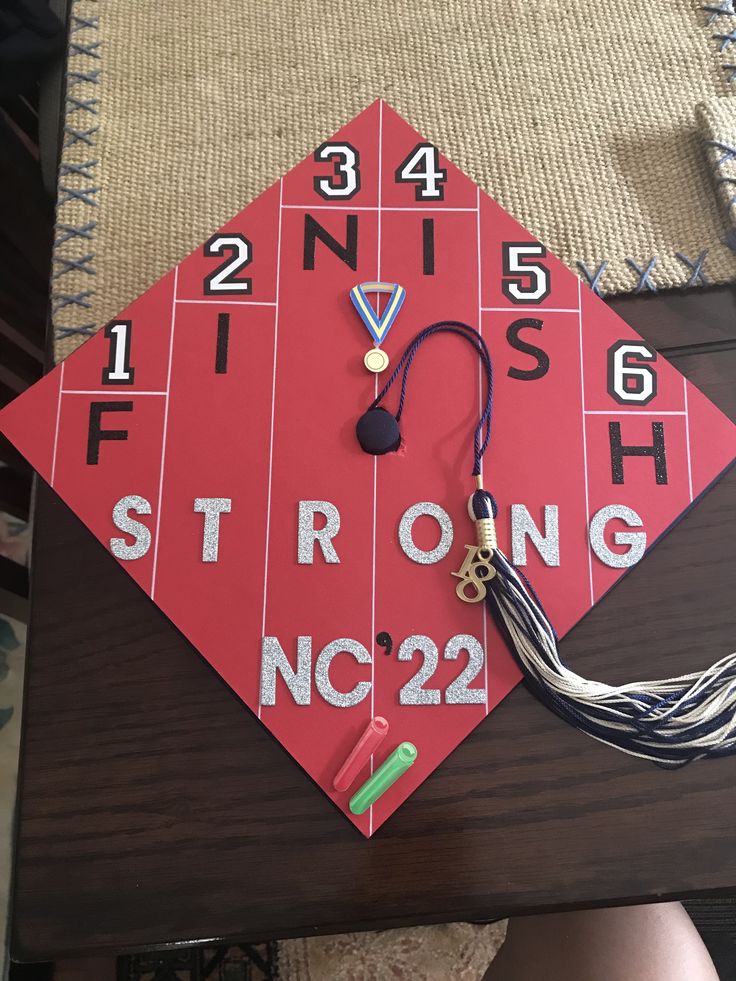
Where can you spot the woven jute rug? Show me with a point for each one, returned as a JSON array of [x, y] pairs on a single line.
[[580, 118]]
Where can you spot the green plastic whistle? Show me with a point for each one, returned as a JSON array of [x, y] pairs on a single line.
[[387, 774]]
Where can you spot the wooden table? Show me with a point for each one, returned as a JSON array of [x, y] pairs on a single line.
[[155, 809]]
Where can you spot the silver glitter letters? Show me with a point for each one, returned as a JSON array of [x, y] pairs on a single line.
[[123, 521], [547, 544], [322, 672], [298, 682], [405, 533], [457, 692], [637, 540], [414, 692], [211, 508], [308, 534]]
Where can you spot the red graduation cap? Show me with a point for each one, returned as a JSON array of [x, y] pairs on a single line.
[[207, 438]]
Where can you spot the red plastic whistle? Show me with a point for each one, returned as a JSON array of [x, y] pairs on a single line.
[[373, 735]]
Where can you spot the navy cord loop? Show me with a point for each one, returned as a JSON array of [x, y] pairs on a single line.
[[482, 434]]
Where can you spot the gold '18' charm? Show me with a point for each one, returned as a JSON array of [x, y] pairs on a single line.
[[474, 573]]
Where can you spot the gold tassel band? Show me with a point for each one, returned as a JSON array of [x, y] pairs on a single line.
[[485, 529]]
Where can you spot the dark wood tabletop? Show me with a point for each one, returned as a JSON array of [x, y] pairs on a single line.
[[155, 809]]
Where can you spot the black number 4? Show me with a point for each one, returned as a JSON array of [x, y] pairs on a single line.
[[422, 167]]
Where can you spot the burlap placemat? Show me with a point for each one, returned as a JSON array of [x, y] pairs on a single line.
[[578, 117]]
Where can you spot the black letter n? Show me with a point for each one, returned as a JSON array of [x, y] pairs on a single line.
[[348, 253]]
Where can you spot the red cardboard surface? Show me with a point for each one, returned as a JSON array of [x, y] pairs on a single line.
[[268, 420]]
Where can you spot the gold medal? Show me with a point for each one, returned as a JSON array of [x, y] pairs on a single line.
[[375, 360], [377, 325]]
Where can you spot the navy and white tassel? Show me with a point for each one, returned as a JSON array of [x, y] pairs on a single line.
[[670, 722]]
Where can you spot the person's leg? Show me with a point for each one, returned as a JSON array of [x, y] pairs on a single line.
[[657, 942]]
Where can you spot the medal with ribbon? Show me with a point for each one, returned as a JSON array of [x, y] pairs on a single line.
[[376, 360]]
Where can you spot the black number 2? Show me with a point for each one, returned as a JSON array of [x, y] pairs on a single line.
[[223, 280]]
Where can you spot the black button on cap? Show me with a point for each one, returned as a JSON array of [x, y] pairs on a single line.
[[378, 432]]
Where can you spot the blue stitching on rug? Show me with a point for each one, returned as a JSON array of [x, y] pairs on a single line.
[[78, 47], [80, 136], [81, 22], [696, 268], [725, 180], [728, 155], [76, 78], [594, 278], [724, 9], [60, 332], [86, 47], [77, 194], [644, 275], [61, 300], [73, 231], [89, 105], [75, 48], [84, 170], [729, 152], [83, 265], [726, 40]]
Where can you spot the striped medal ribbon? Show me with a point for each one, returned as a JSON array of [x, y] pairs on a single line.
[[375, 359]]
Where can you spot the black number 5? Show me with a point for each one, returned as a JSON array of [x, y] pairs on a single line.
[[531, 282]]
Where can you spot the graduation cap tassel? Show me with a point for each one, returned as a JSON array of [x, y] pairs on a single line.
[[671, 722]]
